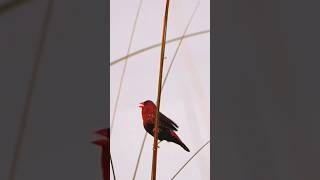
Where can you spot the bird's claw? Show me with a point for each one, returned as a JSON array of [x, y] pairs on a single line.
[[157, 147]]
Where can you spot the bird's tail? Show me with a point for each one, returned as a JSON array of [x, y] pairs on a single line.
[[183, 146], [178, 141]]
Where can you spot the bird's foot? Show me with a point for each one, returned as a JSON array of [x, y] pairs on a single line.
[[158, 144], [157, 147]]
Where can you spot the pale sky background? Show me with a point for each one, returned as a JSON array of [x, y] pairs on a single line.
[[185, 98]]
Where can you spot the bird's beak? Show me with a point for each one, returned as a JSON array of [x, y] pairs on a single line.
[[141, 105]]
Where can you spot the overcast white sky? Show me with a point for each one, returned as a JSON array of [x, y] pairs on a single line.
[[185, 97]]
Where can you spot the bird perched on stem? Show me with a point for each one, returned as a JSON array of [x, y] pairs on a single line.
[[167, 127]]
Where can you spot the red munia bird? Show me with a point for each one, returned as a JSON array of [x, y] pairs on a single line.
[[166, 125], [105, 154]]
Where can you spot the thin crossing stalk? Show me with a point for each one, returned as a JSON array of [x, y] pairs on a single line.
[[125, 67], [113, 173], [156, 131], [184, 165], [30, 92], [180, 42], [139, 157]]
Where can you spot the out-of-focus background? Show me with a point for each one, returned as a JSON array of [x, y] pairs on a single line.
[[266, 90], [185, 97], [70, 97]]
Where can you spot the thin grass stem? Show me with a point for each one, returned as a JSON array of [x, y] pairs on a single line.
[[125, 67], [22, 127], [184, 165], [180, 42], [112, 167], [139, 157]]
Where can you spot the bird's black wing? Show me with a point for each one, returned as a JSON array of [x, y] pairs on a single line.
[[165, 122]]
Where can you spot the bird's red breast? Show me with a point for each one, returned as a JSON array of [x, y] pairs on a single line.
[[148, 112]]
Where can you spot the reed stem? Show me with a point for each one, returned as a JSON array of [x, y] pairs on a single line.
[[155, 141]]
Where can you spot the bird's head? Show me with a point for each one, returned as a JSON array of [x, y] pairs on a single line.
[[104, 135], [148, 105]]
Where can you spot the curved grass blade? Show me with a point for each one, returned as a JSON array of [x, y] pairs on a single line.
[[159, 44]]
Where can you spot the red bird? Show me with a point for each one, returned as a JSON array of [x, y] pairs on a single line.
[[167, 127], [105, 154]]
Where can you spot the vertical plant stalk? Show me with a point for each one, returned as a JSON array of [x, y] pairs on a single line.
[[167, 74], [30, 92], [156, 130]]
